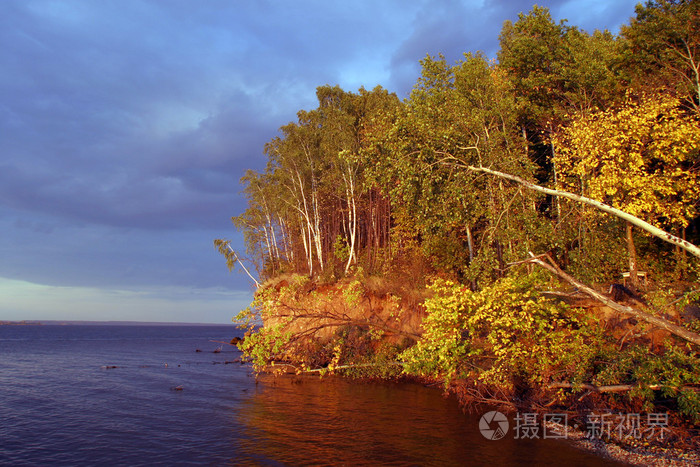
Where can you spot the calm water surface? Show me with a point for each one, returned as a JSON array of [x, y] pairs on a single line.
[[62, 403]]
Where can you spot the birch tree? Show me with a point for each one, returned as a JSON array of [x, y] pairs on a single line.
[[643, 158]]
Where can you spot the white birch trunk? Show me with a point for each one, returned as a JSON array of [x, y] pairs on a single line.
[[352, 215], [655, 231]]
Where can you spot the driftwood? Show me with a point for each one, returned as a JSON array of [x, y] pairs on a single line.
[[608, 388], [613, 388], [662, 323], [280, 364], [356, 365]]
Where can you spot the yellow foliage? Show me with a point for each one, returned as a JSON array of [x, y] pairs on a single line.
[[502, 332], [639, 158]]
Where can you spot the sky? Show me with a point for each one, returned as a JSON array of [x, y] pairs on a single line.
[[125, 126]]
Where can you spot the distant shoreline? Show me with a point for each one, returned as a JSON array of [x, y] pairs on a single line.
[[105, 323], [20, 323]]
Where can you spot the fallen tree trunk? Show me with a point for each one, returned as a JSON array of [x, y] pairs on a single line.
[[354, 365], [299, 370], [657, 232], [615, 387], [662, 323], [608, 388]]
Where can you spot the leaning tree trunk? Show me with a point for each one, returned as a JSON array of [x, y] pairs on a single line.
[[633, 220], [637, 222], [662, 323], [632, 254]]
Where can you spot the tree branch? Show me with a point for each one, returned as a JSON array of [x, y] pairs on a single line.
[[609, 388], [657, 232], [231, 255], [662, 323]]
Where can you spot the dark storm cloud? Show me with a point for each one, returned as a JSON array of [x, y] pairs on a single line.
[[93, 103], [128, 113], [125, 125], [453, 27]]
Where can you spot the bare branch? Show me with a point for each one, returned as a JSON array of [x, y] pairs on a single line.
[[662, 323]]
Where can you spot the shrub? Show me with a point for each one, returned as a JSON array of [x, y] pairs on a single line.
[[504, 333]]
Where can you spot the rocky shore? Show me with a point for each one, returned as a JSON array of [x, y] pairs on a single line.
[[637, 453]]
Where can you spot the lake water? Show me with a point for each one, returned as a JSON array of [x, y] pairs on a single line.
[[62, 402]]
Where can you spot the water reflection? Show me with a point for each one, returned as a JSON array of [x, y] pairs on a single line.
[[307, 421]]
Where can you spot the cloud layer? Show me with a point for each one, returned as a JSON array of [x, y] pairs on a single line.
[[125, 125]]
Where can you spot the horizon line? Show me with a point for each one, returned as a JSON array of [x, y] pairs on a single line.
[[107, 322]]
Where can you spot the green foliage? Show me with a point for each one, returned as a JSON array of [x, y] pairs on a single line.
[[361, 353], [353, 292], [662, 48], [366, 182], [457, 115], [262, 344], [266, 345], [693, 325], [341, 250], [500, 334], [635, 158], [590, 246], [556, 68], [256, 311], [529, 48], [689, 403], [673, 370], [690, 297]]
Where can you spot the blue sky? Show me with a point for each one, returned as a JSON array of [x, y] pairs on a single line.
[[125, 126]]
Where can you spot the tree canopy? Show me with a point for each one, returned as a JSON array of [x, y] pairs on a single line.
[[548, 157], [366, 180]]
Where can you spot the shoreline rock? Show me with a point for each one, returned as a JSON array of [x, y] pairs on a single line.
[[639, 456]]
